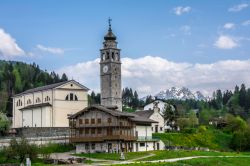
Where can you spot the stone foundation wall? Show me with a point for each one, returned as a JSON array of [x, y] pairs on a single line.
[[30, 132]]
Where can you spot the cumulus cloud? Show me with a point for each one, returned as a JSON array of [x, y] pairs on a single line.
[[179, 10], [8, 46], [50, 49], [149, 74], [246, 23], [238, 7], [225, 42], [229, 26]]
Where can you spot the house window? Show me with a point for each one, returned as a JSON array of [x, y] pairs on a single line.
[[99, 130], [93, 146], [142, 144], [92, 131], [120, 132], [120, 123], [152, 128], [99, 120], [92, 121], [80, 121], [109, 120], [87, 131], [86, 121], [160, 128], [87, 146]]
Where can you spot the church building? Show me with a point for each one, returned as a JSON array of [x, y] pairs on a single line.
[[49, 106], [105, 128]]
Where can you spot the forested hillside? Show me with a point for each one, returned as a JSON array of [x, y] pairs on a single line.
[[16, 77]]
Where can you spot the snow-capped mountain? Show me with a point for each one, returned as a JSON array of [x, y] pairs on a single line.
[[178, 93]]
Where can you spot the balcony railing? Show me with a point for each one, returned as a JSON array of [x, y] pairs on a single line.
[[102, 138], [103, 125], [147, 138]]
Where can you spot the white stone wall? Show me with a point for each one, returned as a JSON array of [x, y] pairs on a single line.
[[99, 147], [143, 131], [156, 116]]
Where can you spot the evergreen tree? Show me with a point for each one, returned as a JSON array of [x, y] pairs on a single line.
[[242, 96]]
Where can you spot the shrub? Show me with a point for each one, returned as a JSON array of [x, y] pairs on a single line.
[[19, 150], [202, 129]]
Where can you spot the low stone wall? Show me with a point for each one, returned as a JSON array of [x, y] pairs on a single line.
[[30, 132], [4, 142]]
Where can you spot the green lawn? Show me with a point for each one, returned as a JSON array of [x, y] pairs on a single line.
[[212, 139], [240, 161], [114, 156]]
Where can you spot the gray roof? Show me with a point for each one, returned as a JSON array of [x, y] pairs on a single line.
[[133, 117], [36, 106], [146, 113], [51, 86]]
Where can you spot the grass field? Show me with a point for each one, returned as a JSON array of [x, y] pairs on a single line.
[[239, 161], [212, 139]]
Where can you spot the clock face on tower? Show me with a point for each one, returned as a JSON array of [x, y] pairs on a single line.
[[105, 69]]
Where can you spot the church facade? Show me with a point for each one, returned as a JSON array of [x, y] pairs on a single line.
[[48, 106]]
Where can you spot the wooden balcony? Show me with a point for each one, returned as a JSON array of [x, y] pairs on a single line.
[[102, 125], [101, 138]]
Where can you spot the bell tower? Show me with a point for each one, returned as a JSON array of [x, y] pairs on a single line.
[[110, 71]]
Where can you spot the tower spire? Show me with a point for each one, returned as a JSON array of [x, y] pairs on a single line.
[[110, 36], [109, 20]]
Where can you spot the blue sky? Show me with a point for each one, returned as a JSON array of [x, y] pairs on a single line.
[[61, 34]]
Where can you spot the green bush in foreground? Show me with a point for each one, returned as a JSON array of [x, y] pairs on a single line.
[[19, 150]]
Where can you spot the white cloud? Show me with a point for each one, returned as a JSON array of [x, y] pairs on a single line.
[[8, 46], [246, 23], [186, 29], [149, 75], [225, 42], [50, 49], [238, 7], [179, 10], [229, 26]]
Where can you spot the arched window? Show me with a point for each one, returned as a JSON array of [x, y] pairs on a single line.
[[38, 100], [71, 97], [47, 98], [28, 101], [19, 103]]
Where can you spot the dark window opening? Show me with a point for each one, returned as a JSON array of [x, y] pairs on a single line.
[[99, 120], [86, 121], [93, 146], [71, 96], [142, 144], [99, 130], [92, 131]]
